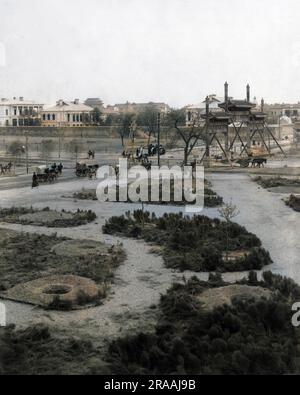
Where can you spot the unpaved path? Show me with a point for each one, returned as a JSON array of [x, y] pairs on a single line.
[[139, 281], [265, 214]]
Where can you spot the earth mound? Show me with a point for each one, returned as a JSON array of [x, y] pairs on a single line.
[[215, 297], [57, 292]]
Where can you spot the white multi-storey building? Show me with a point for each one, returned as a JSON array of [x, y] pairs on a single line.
[[67, 114], [18, 112]]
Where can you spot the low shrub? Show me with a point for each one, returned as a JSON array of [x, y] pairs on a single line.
[[251, 337], [196, 243]]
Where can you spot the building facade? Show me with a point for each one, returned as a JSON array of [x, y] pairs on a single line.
[[194, 112], [136, 108], [67, 114], [19, 112], [276, 111]]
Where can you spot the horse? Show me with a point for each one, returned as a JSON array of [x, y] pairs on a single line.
[[258, 162]]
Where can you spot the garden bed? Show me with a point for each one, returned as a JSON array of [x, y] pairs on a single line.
[[274, 182], [250, 334], [29, 263], [293, 202], [199, 244], [211, 198], [46, 217]]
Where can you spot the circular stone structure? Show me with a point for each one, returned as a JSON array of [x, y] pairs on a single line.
[[80, 248], [44, 291]]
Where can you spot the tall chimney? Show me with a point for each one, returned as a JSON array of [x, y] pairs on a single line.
[[207, 106], [226, 95], [262, 106], [248, 93]]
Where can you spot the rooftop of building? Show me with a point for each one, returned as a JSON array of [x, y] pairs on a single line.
[[63, 105], [18, 101]]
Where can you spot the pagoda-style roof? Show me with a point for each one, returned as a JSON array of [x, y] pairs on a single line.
[[217, 117], [258, 116], [237, 105]]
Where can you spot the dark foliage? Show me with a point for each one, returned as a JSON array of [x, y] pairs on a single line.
[[35, 351], [196, 243], [274, 182], [293, 202], [248, 338], [27, 257]]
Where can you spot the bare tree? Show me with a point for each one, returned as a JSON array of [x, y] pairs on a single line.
[[48, 146], [189, 135], [148, 120], [125, 123], [228, 212]]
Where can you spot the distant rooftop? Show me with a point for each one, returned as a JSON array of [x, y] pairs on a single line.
[[75, 106], [18, 101]]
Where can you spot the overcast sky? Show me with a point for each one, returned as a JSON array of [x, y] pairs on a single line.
[[176, 51]]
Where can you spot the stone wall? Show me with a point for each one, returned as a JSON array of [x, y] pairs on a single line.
[[101, 131]]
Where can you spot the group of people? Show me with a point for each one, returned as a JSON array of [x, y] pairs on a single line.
[[91, 154]]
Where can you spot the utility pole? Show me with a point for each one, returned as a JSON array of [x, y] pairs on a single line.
[[27, 165], [158, 138]]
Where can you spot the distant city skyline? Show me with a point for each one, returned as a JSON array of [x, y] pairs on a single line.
[[172, 51]]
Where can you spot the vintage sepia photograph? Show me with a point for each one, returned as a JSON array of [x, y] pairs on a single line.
[[149, 190]]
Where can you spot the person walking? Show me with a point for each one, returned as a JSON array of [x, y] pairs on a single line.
[[35, 182]]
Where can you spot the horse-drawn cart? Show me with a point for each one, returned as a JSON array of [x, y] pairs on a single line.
[[86, 169], [45, 174]]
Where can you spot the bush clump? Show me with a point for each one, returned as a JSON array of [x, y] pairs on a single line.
[[250, 337], [293, 202], [64, 219], [35, 351], [196, 243], [273, 182], [31, 256]]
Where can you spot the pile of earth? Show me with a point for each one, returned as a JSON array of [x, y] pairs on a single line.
[[216, 297], [46, 217], [57, 292]]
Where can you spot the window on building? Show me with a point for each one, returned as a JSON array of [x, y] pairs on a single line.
[[49, 117], [77, 118], [6, 112], [15, 110], [74, 118], [68, 117], [15, 122], [44, 117], [53, 117]]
